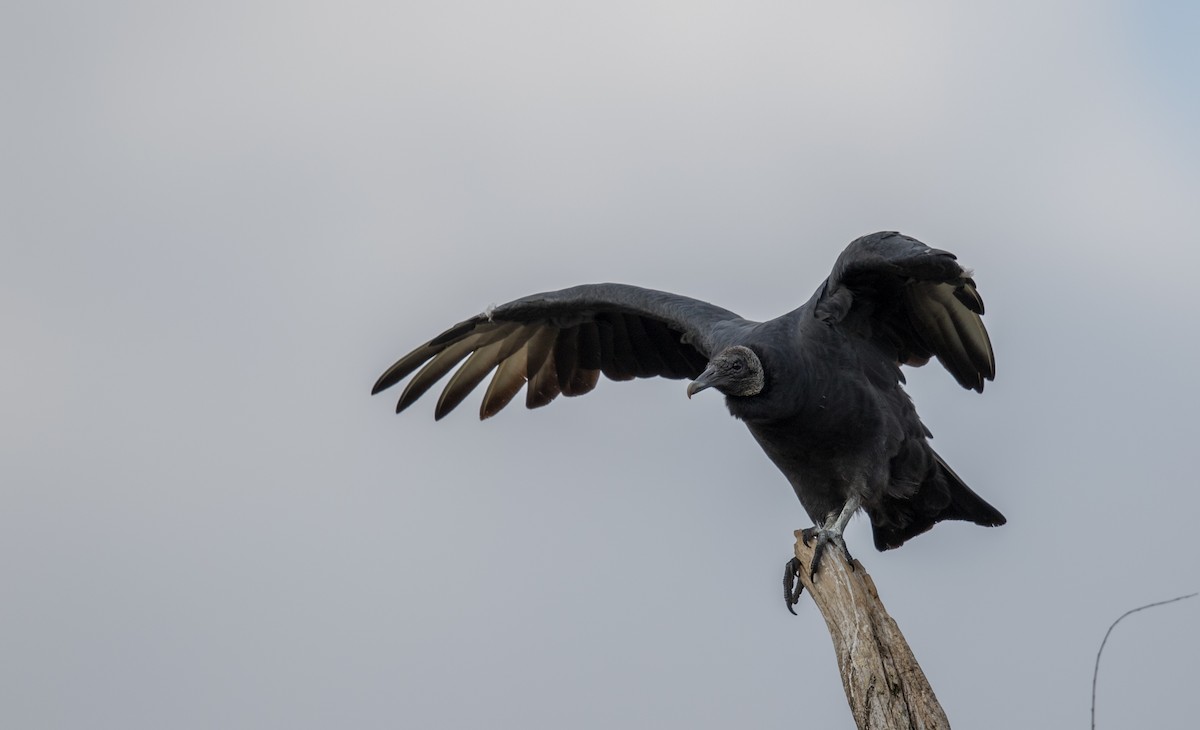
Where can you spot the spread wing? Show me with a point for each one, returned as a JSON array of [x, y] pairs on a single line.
[[913, 300], [560, 342]]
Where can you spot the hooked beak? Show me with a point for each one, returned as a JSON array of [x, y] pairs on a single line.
[[704, 381]]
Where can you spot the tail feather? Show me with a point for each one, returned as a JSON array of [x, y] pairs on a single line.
[[944, 496], [965, 504]]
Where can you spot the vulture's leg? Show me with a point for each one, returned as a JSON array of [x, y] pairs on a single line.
[[831, 532]]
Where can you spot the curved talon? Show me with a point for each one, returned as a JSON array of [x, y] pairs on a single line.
[[818, 553], [792, 586]]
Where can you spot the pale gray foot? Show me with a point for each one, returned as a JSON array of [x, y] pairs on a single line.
[[824, 539], [830, 534]]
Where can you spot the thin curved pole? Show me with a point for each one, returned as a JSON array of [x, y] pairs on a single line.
[[1096, 671]]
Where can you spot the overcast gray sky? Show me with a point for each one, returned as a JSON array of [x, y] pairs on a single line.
[[221, 221]]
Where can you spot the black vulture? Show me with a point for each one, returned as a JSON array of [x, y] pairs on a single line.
[[819, 387]]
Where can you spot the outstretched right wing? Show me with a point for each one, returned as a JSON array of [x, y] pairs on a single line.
[[913, 300], [560, 342]]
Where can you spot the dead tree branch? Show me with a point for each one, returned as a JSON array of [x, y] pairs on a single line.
[[884, 684]]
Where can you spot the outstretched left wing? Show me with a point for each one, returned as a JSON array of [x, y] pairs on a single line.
[[560, 342]]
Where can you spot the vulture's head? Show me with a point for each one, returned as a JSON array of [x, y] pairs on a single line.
[[734, 371]]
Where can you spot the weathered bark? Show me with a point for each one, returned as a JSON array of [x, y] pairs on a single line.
[[884, 684]]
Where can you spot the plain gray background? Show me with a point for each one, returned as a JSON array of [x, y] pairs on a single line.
[[221, 221]]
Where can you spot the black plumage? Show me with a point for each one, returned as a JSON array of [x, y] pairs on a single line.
[[819, 387]]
